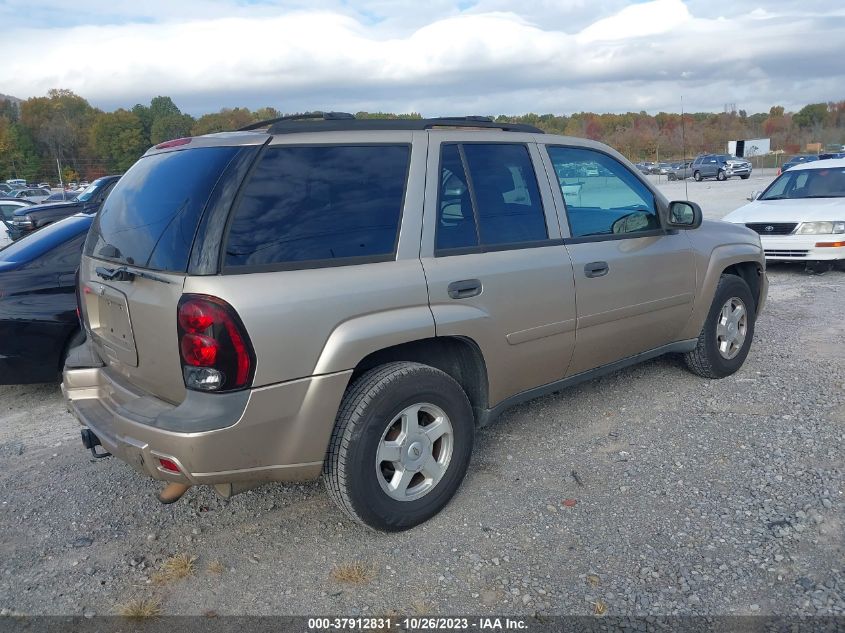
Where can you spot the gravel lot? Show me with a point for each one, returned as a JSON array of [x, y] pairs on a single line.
[[691, 497]]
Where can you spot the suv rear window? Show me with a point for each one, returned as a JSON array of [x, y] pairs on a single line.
[[150, 217], [308, 206]]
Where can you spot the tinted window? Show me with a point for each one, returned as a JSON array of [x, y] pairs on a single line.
[[602, 197], [329, 202], [150, 218], [500, 196]]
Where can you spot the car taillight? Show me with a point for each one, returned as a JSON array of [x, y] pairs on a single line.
[[215, 349]]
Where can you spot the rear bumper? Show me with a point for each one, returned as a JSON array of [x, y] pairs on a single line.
[[802, 247], [274, 433]]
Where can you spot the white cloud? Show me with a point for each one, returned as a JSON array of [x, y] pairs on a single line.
[[440, 58]]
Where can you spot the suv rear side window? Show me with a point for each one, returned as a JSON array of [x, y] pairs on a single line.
[[498, 203], [150, 217], [327, 205]]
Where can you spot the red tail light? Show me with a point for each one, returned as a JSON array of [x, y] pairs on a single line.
[[216, 351]]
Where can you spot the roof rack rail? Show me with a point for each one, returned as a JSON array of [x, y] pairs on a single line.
[[308, 116], [344, 122]]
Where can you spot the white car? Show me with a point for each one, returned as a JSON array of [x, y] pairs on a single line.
[[5, 240], [801, 215]]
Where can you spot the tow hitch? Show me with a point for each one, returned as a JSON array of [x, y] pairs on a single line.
[[91, 442]]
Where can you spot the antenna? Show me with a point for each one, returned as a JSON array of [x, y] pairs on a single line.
[[684, 148]]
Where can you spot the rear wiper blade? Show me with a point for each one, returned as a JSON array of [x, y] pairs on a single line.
[[124, 274]]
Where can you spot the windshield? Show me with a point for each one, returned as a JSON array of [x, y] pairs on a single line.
[[807, 183], [89, 192]]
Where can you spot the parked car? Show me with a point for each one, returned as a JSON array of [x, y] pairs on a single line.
[[5, 189], [27, 220], [720, 167], [801, 215], [32, 194], [660, 169], [355, 297], [43, 185], [8, 206], [797, 160], [644, 167], [38, 318], [16, 183], [679, 171]]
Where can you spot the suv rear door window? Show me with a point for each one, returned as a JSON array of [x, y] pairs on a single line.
[[327, 205], [150, 217], [602, 197], [488, 197]]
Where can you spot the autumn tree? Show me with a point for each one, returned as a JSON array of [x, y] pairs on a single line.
[[118, 137]]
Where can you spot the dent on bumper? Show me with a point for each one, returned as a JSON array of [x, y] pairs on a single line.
[[278, 433]]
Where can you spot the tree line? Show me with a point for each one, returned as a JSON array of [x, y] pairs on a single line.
[[40, 134]]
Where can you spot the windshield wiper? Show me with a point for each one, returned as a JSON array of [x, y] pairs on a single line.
[[124, 274]]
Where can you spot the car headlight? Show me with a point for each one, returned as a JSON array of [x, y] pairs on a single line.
[[25, 222], [818, 228]]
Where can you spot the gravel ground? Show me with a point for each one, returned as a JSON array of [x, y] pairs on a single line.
[[649, 491]]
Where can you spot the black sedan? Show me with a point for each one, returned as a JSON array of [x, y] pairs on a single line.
[[89, 201], [38, 318]]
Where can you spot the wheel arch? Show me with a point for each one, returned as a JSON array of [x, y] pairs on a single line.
[[459, 357], [742, 260]]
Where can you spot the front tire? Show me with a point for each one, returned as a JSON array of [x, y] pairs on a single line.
[[746, 176], [697, 176], [721, 175], [401, 446], [726, 336]]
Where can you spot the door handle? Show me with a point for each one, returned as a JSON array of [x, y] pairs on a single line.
[[464, 288], [596, 269]]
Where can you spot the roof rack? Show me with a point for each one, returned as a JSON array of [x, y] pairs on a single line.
[[323, 116], [343, 122]]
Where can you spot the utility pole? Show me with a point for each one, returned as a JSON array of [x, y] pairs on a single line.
[[59, 167]]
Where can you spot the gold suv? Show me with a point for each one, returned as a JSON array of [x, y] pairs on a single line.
[[354, 298]]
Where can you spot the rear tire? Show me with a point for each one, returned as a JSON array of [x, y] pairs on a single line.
[[719, 351], [697, 176], [401, 446]]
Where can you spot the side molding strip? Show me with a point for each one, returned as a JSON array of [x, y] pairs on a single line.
[[488, 416]]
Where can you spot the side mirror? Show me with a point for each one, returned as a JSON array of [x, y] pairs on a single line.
[[684, 215], [754, 195]]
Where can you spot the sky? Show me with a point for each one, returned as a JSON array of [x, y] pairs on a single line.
[[436, 57]]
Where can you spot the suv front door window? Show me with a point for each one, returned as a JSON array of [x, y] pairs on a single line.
[[603, 198]]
